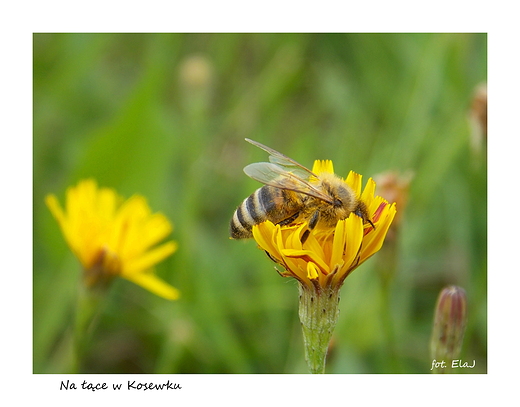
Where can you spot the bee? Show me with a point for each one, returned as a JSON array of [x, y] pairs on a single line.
[[293, 194]]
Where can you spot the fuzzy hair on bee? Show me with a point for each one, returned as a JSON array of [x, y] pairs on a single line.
[[293, 194]]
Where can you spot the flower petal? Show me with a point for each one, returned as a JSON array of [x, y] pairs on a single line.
[[55, 208], [354, 181], [148, 259], [312, 271], [307, 255], [263, 234], [321, 166], [368, 193], [374, 240], [354, 229], [155, 285], [338, 245]]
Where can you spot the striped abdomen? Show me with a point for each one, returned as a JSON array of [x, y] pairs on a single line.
[[266, 203]]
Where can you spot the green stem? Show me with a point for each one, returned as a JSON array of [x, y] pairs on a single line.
[[319, 310], [387, 269], [88, 306]]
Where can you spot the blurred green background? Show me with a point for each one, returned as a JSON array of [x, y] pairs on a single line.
[[165, 116]]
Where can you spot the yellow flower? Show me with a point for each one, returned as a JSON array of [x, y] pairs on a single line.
[[112, 237], [328, 256], [324, 259]]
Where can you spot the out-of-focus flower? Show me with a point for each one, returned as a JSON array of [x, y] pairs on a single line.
[[196, 72], [112, 237], [478, 118], [394, 186]]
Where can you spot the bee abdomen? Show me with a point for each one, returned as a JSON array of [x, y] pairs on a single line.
[[249, 213]]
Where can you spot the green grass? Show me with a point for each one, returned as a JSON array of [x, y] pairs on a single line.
[[117, 107]]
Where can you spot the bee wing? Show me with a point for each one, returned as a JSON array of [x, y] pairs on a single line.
[[277, 176], [283, 161]]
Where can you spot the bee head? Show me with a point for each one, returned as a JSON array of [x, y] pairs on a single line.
[[342, 196]]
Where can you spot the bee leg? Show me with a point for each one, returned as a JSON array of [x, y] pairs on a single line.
[[364, 217], [273, 259], [312, 224], [314, 220], [289, 220]]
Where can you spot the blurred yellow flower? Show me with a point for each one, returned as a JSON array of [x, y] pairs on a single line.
[[112, 237], [328, 256]]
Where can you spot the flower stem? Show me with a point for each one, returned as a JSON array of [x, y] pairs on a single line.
[[89, 302], [319, 310], [386, 265]]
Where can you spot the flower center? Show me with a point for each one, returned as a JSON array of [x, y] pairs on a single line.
[[105, 268]]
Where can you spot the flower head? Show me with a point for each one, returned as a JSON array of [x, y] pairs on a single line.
[[321, 257], [328, 256], [112, 237]]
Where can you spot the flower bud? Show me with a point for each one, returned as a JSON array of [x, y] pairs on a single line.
[[196, 94], [196, 72], [478, 118], [394, 186], [449, 326]]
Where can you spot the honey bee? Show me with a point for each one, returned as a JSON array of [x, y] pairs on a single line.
[[293, 194]]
